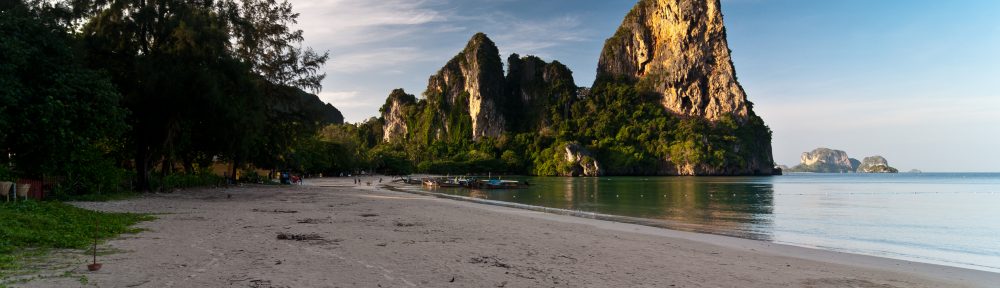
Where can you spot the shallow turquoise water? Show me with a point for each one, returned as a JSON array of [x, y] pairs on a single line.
[[943, 218]]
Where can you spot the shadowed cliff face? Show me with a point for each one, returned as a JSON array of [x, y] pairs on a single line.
[[471, 98], [677, 49], [535, 87], [472, 81]]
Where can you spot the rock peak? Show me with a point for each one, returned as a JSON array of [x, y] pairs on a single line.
[[677, 49], [474, 81], [394, 113], [481, 37]]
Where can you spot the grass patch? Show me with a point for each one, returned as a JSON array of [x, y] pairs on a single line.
[[30, 225], [100, 197]]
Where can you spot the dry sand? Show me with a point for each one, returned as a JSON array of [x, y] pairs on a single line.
[[341, 235]]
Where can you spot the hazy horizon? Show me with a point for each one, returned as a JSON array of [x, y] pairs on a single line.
[[907, 80]]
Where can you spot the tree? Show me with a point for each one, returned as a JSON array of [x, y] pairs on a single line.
[[57, 116], [264, 40], [208, 78], [189, 96]]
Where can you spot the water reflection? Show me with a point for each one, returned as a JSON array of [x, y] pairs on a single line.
[[735, 206], [940, 218]]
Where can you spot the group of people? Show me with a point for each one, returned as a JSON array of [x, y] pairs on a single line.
[[357, 181]]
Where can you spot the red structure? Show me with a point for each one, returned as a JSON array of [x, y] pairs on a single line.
[[37, 190]]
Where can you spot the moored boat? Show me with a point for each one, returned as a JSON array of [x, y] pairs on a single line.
[[499, 184]]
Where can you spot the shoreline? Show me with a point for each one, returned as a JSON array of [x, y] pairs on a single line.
[[366, 236], [645, 226], [661, 224]]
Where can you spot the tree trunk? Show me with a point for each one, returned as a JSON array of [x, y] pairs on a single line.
[[188, 165], [236, 164], [166, 167], [141, 168]]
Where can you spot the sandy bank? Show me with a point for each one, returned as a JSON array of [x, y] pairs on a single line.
[[341, 235]]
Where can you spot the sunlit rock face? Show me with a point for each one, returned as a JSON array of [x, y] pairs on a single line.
[[394, 114], [534, 87], [474, 78], [678, 50], [832, 160], [876, 164], [582, 161]]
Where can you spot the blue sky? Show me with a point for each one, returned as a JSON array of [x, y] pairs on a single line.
[[913, 81]]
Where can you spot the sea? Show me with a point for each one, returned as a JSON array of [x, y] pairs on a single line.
[[948, 219]]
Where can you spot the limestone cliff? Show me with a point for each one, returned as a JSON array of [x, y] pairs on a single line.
[[855, 163], [677, 49], [471, 98], [397, 108], [876, 164], [470, 85], [581, 161], [535, 88], [666, 102], [824, 160], [826, 156]]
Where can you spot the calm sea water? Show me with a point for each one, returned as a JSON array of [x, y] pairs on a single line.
[[943, 218]]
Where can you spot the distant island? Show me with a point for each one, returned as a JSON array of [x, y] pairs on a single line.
[[826, 160]]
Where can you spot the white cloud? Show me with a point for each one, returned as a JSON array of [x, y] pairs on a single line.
[[349, 23], [341, 98], [535, 37], [376, 46], [375, 60], [349, 14]]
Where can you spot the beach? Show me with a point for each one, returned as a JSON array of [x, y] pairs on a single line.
[[333, 233]]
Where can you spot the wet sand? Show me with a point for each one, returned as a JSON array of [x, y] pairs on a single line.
[[332, 233]]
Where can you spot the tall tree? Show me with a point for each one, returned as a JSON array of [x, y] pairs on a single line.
[[265, 40], [188, 94], [56, 115]]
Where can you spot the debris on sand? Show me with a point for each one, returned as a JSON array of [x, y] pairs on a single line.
[[260, 284], [366, 215], [310, 221], [408, 224], [490, 261], [299, 237], [275, 211]]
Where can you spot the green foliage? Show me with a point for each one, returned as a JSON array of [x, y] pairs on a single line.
[[550, 162], [91, 172], [61, 111], [5, 173], [31, 224], [390, 160], [627, 131]]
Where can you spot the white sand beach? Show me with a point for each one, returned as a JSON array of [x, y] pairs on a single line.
[[342, 235]]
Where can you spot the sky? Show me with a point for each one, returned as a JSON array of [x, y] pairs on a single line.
[[913, 81]]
